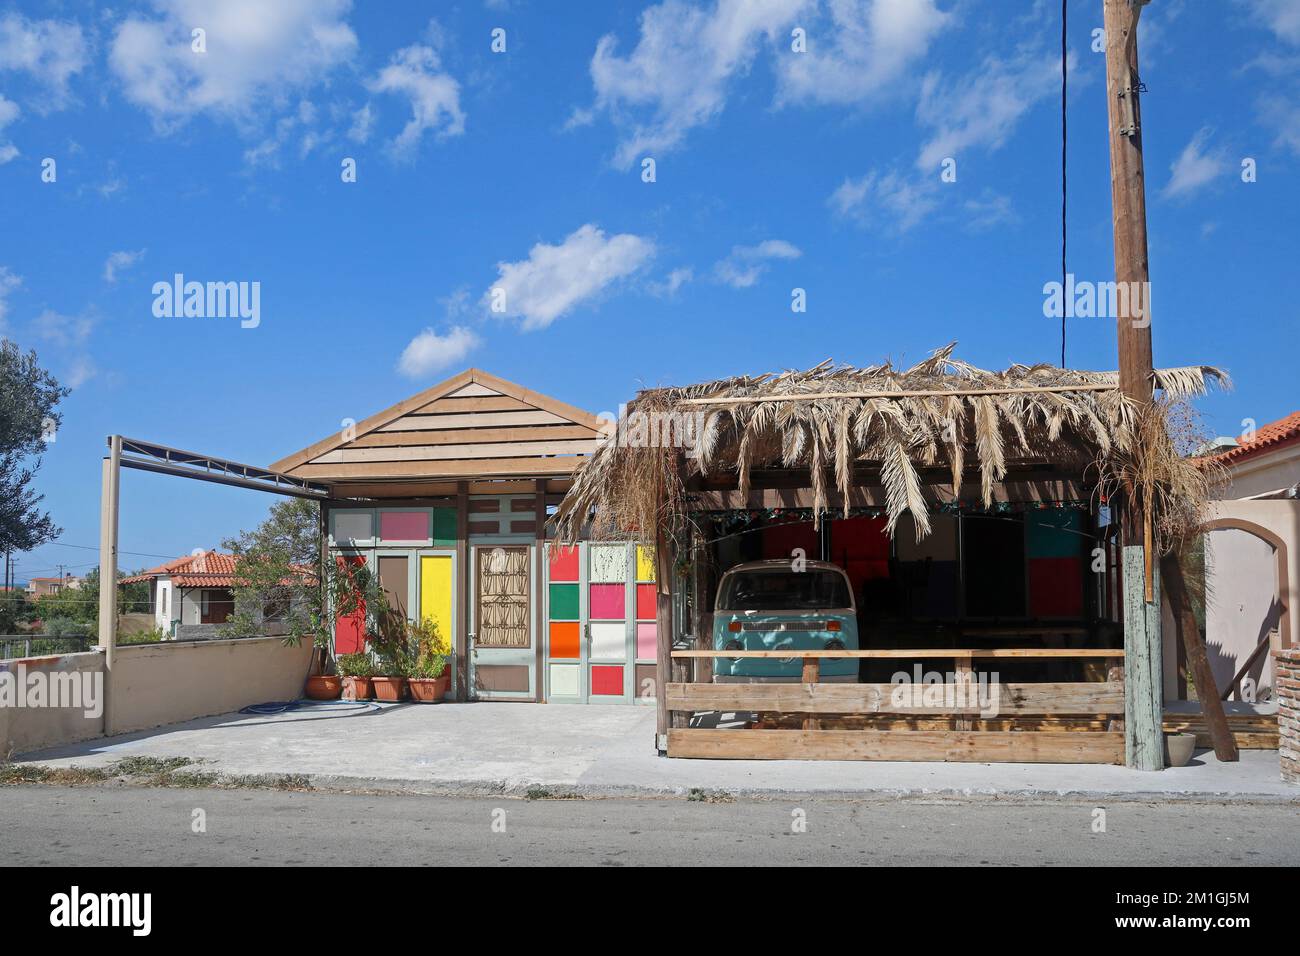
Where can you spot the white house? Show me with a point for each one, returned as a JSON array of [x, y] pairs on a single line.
[[195, 589]]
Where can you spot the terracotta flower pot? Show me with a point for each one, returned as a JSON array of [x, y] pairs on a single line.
[[429, 690], [323, 687], [357, 688], [389, 688]]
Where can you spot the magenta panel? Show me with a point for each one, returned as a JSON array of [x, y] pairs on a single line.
[[606, 603], [646, 641], [403, 525]]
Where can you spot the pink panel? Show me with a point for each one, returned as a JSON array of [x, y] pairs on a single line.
[[606, 602], [403, 525], [645, 602], [646, 641]]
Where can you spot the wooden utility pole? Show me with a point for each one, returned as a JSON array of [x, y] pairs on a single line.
[[1143, 665], [1143, 651]]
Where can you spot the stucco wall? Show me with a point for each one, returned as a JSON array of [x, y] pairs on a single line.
[[31, 728], [155, 684]]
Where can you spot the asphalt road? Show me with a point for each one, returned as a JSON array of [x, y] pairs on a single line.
[[45, 825]]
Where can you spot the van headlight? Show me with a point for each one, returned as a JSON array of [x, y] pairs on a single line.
[[834, 644]]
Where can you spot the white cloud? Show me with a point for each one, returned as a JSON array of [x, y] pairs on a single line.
[[8, 113], [435, 96], [1280, 16], [258, 55], [50, 51], [120, 261], [742, 268], [888, 200], [988, 210], [1283, 114], [429, 351], [674, 281], [866, 47], [1194, 167], [8, 283], [363, 122], [982, 108], [69, 331], [677, 77], [556, 278]]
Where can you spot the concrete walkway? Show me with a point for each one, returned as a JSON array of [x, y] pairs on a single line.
[[608, 751]]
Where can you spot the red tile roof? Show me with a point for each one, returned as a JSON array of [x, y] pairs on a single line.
[[208, 569], [1274, 435]]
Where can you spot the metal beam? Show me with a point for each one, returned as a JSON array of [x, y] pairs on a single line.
[[164, 460]]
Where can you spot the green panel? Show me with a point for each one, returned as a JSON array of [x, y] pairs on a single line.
[[1053, 532], [564, 602], [444, 527]]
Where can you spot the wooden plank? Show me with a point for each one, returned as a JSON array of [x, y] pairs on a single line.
[[478, 467], [411, 423], [500, 403], [895, 653], [465, 436], [979, 746], [584, 446], [803, 698]]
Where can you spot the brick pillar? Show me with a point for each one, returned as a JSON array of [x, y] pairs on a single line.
[[1288, 714]]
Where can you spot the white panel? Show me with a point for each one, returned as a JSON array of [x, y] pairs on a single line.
[[608, 641], [564, 680], [608, 564]]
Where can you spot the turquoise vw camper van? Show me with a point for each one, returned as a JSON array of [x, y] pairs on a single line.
[[778, 605]]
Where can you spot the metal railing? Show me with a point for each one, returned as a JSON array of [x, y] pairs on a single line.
[[13, 646]]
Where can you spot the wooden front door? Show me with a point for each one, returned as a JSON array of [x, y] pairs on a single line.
[[502, 660]]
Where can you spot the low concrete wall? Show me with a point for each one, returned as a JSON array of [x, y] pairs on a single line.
[[152, 685], [31, 728], [155, 684]]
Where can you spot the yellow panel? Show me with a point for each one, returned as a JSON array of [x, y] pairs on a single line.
[[645, 563], [436, 592]]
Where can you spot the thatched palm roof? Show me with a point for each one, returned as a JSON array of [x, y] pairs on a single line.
[[833, 418]]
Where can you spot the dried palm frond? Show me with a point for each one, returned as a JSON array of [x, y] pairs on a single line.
[[833, 420]]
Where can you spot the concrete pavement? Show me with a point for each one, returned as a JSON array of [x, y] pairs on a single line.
[[604, 750]]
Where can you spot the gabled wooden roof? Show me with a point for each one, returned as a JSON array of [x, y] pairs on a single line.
[[473, 425]]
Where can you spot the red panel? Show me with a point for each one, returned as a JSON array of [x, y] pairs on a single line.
[[862, 539], [645, 602], [607, 680], [780, 540], [1056, 587], [350, 631], [564, 564]]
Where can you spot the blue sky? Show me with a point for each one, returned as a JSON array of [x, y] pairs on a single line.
[[521, 170]]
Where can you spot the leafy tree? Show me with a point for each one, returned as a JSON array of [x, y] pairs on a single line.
[[277, 572], [29, 398]]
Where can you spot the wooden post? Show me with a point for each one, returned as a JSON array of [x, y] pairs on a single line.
[[1207, 692], [463, 577], [108, 522], [663, 638], [812, 674], [1143, 685]]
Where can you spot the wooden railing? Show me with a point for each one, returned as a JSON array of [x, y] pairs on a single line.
[[813, 699]]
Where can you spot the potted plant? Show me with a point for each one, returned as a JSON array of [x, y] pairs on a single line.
[[394, 659], [428, 649], [429, 679], [356, 670]]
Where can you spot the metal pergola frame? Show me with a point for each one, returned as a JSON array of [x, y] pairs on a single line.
[[165, 460]]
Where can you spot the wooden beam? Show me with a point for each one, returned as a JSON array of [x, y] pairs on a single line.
[[905, 393], [1207, 693], [475, 468], [904, 653], [1083, 697], [978, 746]]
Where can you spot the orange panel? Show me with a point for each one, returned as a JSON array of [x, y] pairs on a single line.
[[565, 636]]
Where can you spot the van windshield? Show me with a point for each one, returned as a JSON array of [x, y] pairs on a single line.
[[783, 590]]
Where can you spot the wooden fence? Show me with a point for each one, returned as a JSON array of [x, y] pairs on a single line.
[[1014, 722]]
